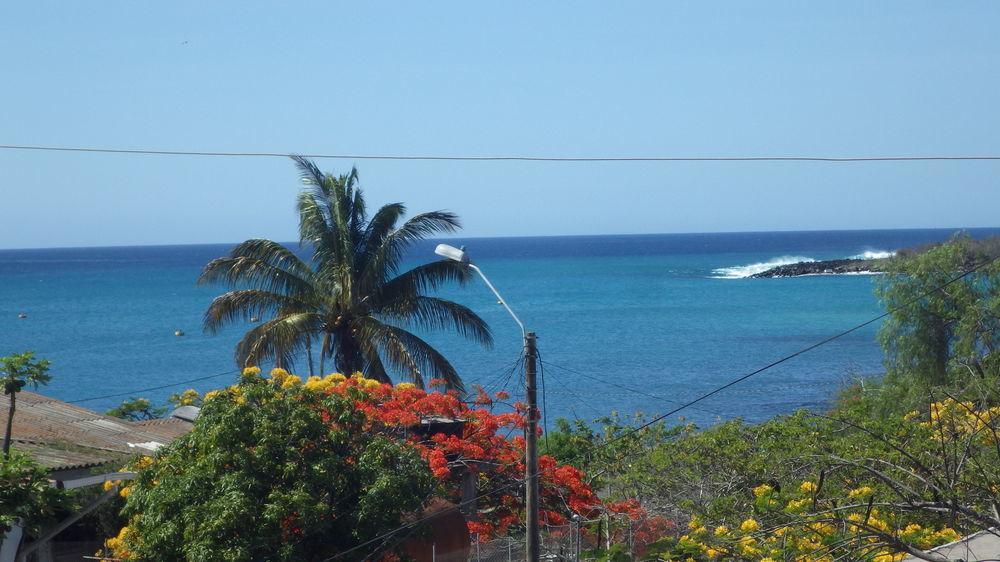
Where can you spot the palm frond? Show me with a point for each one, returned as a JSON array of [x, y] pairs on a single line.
[[374, 368], [385, 261], [422, 279], [280, 339], [437, 314], [260, 264], [242, 305], [410, 354], [381, 225]]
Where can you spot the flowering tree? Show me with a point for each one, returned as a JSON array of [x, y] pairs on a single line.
[[271, 473], [317, 466], [932, 478]]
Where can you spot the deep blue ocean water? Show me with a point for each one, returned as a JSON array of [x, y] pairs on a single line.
[[668, 314]]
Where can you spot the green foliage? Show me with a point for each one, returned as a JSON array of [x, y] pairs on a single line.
[[268, 474], [940, 337], [20, 370], [17, 371], [350, 300], [607, 455], [137, 409], [25, 493]]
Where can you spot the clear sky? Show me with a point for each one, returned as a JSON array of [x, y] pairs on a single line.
[[542, 78]]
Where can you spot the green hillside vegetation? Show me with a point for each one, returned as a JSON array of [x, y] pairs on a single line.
[[896, 465]]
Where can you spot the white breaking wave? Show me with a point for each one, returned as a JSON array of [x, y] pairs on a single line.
[[744, 271], [873, 255]]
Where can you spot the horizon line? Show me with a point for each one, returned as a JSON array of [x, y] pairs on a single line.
[[514, 236]]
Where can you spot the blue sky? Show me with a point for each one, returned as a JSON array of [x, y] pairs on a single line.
[[657, 78]]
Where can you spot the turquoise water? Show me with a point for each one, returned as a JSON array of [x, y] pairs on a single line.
[[666, 314]]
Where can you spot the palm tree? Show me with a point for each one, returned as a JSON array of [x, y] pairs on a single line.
[[350, 298], [16, 372]]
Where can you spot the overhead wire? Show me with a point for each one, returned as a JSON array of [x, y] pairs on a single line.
[[729, 384], [625, 387], [807, 349], [151, 388], [501, 158]]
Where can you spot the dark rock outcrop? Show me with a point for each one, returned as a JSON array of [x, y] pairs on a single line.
[[828, 267]]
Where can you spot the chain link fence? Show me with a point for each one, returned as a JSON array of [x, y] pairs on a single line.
[[559, 543]]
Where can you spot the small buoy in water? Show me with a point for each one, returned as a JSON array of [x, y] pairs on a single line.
[[499, 302], [22, 315], [254, 319], [179, 333]]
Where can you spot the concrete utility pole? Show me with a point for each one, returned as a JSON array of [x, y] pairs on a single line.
[[533, 547], [531, 543]]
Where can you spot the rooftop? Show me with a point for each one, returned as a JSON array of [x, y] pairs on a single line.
[[62, 436]]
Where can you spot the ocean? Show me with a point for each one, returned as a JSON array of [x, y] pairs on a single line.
[[670, 315]]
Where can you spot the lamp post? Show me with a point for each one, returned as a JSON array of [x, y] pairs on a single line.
[[532, 544]]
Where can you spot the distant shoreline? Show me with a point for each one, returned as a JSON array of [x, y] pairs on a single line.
[[847, 266], [981, 250]]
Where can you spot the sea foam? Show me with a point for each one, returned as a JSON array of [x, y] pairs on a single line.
[[873, 255], [744, 271]]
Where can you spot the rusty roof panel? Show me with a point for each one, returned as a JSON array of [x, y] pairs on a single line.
[[42, 420]]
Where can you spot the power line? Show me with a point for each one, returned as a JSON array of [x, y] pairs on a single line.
[[161, 387], [622, 386], [503, 158], [805, 350], [692, 402]]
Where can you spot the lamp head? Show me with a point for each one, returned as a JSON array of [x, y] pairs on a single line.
[[452, 253]]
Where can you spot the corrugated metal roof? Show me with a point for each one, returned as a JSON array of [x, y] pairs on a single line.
[[62, 456], [984, 545], [65, 436], [168, 428]]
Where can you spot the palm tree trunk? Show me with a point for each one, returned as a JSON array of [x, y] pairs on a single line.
[[10, 425], [309, 355], [322, 351]]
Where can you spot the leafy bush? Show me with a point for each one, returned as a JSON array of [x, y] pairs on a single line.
[[271, 473], [25, 493]]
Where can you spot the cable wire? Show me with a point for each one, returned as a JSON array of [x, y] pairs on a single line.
[[806, 349], [501, 158], [696, 400], [161, 387], [624, 387]]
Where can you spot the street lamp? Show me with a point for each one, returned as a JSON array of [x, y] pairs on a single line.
[[532, 545], [459, 255]]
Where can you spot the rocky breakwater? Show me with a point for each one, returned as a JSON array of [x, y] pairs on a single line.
[[827, 267]]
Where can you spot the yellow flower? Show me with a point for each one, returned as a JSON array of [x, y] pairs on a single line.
[[808, 487], [405, 386], [370, 384], [762, 490], [249, 371], [125, 491], [188, 397], [290, 381], [860, 492], [721, 530], [750, 525], [211, 394], [795, 506], [316, 384], [335, 377]]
